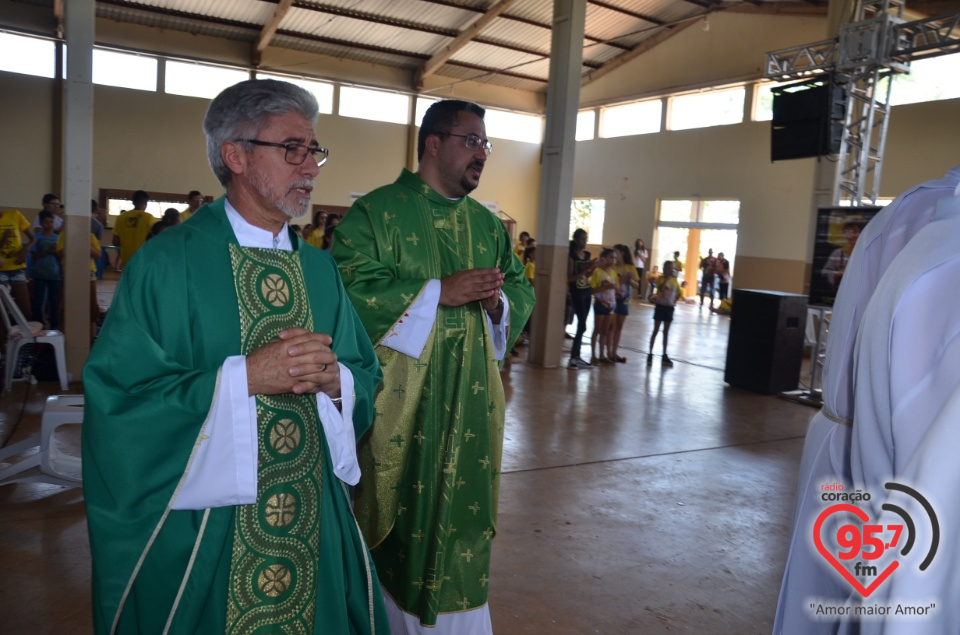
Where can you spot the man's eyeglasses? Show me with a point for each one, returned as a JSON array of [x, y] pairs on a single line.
[[473, 142], [296, 153]]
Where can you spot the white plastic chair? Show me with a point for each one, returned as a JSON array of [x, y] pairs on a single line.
[[48, 464], [20, 333]]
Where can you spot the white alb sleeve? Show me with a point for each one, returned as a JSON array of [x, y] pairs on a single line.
[[223, 470], [409, 334]]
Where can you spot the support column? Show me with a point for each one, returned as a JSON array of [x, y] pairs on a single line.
[[556, 183], [79, 22]]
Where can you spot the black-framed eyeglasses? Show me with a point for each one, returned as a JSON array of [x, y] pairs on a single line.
[[473, 142], [296, 153]]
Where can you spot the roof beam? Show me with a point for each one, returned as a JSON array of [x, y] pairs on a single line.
[[269, 29], [632, 14], [527, 21], [636, 52], [441, 57], [801, 8]]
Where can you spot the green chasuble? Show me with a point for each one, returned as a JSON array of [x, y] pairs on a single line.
[[149, 384], [427, 500]]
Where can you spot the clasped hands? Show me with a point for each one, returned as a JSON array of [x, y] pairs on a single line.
[[473, 285], [300, 361]]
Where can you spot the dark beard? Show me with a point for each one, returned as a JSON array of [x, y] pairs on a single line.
[[467, 186]]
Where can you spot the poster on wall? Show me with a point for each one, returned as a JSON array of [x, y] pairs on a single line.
[[838, 229]]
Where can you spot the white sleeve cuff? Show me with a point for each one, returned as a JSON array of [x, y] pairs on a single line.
[[224, 469], [338, 428], [409, 334], [499, 331]]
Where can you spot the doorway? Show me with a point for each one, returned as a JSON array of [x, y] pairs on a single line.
[[691, 227]]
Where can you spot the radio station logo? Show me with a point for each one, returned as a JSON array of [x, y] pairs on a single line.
[[866, 552]]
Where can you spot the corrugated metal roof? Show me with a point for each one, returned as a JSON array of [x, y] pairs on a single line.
[[512, 50]]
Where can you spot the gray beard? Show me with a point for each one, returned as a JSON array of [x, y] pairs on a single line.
[[259, 182]]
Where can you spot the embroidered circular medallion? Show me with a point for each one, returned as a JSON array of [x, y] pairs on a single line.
[[274, 580], [281, 509], [274, 290], [285, 436]]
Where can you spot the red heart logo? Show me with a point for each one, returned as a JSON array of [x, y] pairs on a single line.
[[862, 515]]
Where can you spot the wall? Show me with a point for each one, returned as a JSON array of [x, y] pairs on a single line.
[[154, 141], [27, 117]]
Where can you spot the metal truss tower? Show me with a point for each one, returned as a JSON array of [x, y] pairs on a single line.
[[872, 48]]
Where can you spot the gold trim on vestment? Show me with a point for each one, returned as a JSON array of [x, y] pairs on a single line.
[[186, 574], [166, 512]]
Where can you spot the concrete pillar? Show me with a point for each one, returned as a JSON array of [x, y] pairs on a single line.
[[79, 23], [556, 184]]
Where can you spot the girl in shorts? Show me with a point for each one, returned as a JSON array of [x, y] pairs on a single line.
[[627, 282], [604, 283], [665, 298]]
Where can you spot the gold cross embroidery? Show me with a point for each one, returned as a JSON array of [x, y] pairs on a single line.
[[419, 437], [481, 248], [468, 435], [372, 303], [484, 579], [477, 387], [467, 554], [417, 536], [488, 534], [387, 216], [418, 583], [413, 238], [485, 462], [460, 483], [418, 487], [464, 603], [475, 507], [407, 297], [400, 509]]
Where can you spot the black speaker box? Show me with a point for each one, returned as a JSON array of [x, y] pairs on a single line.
[[807, 119], [805, 139], [765, 348]]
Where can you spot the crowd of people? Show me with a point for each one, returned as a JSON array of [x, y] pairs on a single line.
[[32, 261], [608, 284]]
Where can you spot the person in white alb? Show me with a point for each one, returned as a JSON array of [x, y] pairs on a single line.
[[826, 454]]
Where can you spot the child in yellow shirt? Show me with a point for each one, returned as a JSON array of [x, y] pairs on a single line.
[[604, 283], [666, 295]]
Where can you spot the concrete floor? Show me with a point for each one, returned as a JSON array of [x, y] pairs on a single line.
[[633, 500]]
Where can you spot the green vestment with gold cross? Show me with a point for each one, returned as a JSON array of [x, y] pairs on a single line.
[[427, 499], [293, 562]]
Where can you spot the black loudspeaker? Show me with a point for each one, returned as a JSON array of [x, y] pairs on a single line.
[[765, 349], [807, 119]]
